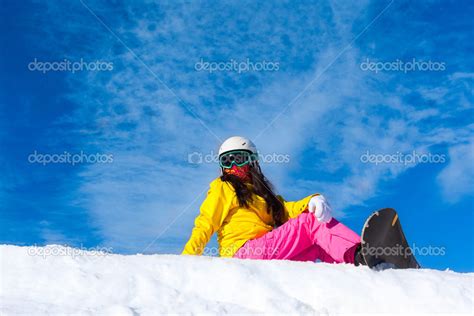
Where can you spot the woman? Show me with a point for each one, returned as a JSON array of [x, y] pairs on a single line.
[[254, 223]]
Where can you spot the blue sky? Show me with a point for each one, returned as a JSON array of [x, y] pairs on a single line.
[[320, 107]]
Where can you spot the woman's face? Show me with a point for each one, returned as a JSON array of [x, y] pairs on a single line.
[[242, 172]]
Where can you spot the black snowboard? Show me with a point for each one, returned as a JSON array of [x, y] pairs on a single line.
[[383, 242]]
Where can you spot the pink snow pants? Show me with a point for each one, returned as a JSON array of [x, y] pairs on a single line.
[[304, 238]]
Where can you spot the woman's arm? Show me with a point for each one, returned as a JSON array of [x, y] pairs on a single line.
[[213, 211], [295, 208]]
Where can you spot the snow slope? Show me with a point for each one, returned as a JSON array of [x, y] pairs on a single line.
[[87, 283]]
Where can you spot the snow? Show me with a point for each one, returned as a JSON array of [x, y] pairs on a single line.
[[58, 280]]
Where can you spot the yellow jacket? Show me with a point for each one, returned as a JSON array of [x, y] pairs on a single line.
[[234, 224]]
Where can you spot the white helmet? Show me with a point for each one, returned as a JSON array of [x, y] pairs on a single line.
[[237, 143]]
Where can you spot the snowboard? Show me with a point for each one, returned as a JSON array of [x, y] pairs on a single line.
[[383, 242]]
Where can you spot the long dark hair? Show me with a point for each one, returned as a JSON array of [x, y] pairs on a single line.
[[260, 186]]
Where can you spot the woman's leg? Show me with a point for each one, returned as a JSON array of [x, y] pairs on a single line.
[[314, 253], [297, 238]]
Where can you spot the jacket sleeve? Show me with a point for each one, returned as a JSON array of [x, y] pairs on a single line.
[[295, 208], [212, 214]]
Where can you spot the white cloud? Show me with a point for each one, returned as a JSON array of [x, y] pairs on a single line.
[[457, 179]]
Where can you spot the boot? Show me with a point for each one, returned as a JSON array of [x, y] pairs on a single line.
[[358, 257]]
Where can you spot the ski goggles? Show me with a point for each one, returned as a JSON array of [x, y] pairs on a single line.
[[238, 158]]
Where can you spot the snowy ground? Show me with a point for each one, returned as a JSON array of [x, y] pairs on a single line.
[[85, 283]]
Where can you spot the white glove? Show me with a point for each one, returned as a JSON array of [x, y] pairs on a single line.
[[320, 208]]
